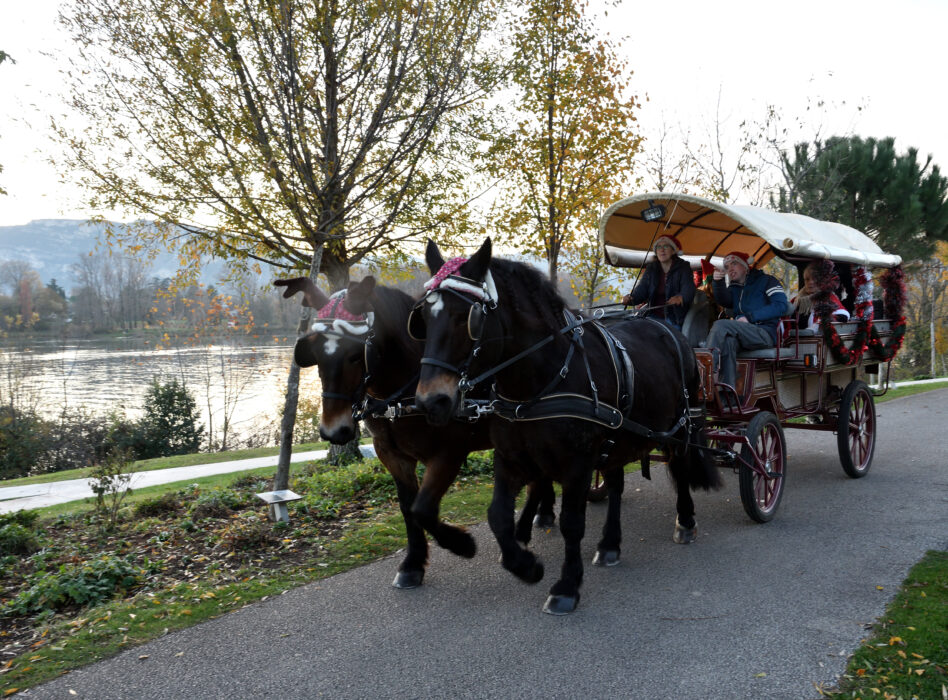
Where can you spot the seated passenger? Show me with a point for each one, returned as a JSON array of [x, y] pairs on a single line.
[[755, 302], [666, 284], [818, 298]]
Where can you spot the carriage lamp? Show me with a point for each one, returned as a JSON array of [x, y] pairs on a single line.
[[654, 212], [277, 501]]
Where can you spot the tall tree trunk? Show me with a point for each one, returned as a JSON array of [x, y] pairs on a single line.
[[931, 328], [282, 478]]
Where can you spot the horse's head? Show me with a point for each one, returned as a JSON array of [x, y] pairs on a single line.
[[452, 318], [336, 344]]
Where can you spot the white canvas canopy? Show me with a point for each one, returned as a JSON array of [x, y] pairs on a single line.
[[711, 230]]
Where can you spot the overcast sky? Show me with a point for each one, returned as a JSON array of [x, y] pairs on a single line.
[[888, 57]]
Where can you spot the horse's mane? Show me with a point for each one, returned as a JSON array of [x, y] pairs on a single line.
[[392, 307], [530, 293]]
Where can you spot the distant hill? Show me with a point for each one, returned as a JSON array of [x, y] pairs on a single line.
[[53, 246]]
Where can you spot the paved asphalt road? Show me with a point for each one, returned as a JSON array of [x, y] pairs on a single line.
[[748, 611], [13, 498]]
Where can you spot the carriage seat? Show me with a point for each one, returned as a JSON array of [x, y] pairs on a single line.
[[698, 320], [786, 348], [784, 353]]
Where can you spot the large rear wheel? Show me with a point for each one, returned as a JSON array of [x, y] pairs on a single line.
[[762, 484], [856, 429]]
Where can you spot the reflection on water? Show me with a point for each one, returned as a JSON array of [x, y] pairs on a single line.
[[113, 375]]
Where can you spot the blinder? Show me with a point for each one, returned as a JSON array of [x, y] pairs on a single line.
[[476, 318], [417, 329]]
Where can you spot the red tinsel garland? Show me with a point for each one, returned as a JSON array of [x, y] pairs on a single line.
[[893, 301], [893, 296]]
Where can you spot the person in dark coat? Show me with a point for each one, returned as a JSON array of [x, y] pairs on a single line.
[[754, 302], [666, 284]]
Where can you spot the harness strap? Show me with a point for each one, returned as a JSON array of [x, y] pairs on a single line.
[[580, 407], [467, 384], [375, 408]]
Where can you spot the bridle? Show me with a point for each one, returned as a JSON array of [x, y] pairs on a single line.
[[333, 320], [482, 298]]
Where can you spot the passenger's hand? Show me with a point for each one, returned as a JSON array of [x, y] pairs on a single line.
[[676, 300], [742, 319], [718, 274]]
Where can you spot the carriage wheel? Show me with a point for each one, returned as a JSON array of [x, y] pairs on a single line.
[[856, 429], [597, 490], [761, 493]]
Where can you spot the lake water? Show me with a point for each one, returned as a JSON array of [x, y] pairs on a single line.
[[114, 375]]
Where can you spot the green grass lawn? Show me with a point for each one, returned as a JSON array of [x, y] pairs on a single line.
[[907, 654], [146, 465]]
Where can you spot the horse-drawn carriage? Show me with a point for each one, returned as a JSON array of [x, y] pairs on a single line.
[[490, 356], [812, 379]]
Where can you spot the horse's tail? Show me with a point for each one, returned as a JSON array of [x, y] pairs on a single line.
[[702, 471]]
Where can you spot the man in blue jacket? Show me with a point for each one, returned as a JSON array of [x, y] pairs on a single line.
[[755, 302]]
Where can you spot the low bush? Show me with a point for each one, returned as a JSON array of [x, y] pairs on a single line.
[[478, 464], [17, 539], [87, 584], [23, 440], [170, 424], [162, 504], [220, 503], [26, 518]]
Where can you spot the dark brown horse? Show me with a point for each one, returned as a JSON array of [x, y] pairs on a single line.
[[368, 363], [563, 403]]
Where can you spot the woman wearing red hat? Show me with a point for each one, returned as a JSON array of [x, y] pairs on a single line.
[[666, 284], [817, 299]]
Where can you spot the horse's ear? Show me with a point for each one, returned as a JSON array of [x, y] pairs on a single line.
[[357, 296], [433, 257], [312, 296], [476, 266]]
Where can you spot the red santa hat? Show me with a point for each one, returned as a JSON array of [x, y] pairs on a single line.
[[668, 239], [737, 256]]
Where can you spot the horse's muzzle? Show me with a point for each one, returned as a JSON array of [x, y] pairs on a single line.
[[337, 435], [438, 408]]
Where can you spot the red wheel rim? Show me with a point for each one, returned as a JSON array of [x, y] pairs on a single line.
[[769, 451], [862, 430]]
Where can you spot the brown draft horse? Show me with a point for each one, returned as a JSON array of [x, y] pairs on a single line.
[[558, 397], [367, 362]]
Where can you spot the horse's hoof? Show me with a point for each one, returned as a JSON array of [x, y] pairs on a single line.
[[560, 604], [464, 546], [685, 535], [529, 571], [544, 522], [607, 557], [408, 579]]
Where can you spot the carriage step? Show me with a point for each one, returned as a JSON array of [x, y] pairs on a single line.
[[724, 459]]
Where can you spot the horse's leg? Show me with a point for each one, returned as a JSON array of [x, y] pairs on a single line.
[[411, 572], [546, 517], [519, 561], [608, 550], [564, 594], [540, 497], [686, 528], [440, 473]]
